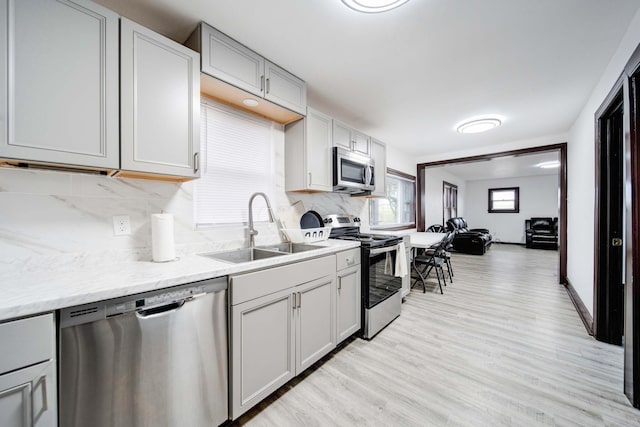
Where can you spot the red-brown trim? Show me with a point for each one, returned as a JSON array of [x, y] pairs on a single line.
[[516, 201], [582, 310], [401, 174], [562, 148]]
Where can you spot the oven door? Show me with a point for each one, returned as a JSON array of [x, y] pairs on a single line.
[[379, 280]]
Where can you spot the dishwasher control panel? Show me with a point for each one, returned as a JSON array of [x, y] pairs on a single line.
[[103, 309]]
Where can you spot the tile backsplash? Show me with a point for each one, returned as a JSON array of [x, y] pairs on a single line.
[[49, 219]]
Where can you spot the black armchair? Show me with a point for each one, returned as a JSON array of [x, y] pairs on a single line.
[[541, 233], [472, 241]]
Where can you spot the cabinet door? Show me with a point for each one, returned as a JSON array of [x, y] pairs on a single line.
[[27, 397], [285, 89], [318, 151], [61, 96], [228, 60], [360, 142], [315, 321], [349, 305], [160, 103], [262, 348], [341, 135], [379, 156]]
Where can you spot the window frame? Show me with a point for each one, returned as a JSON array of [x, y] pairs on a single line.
[[407, 177], [516, 200]]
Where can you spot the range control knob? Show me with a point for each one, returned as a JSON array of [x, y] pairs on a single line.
[[356, 219], [328, 220]]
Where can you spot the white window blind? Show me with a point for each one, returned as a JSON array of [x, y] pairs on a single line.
[[237, 161]]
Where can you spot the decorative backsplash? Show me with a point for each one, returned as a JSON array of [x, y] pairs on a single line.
[[51, 219]]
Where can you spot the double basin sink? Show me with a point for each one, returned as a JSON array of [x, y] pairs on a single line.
[[237, 256]]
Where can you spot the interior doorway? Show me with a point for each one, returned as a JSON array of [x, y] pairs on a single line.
[[608, 313]]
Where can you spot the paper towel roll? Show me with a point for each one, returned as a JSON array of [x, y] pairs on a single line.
[[162, 246]]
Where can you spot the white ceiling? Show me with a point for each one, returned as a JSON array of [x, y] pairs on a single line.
[[503, 167], [409, 76]]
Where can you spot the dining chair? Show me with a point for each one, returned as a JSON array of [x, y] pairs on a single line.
[[445, 253], [424, 263]]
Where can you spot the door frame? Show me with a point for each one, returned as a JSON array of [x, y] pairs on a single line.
[[561, 148], [602, 323]]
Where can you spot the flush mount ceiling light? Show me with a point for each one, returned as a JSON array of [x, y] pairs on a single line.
[[477, 126], [373, 6], [549, 165], [250, 102]]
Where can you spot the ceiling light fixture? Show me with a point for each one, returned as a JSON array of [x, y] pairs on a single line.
[[549, 165], [373, 6], [480, 125], [249, 102]]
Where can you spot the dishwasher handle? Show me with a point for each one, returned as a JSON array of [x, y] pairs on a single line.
[[161, 309]]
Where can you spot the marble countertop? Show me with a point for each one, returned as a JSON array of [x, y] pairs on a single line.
[[27, 294]]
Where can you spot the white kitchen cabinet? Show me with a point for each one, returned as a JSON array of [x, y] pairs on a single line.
[[315, 321], [59, 83], [284, 88], [28, 373], [350, 139], [160, 104], [379, 156], [235, 64], [349, 304], [230, 61], [282, 321], [308, 156]]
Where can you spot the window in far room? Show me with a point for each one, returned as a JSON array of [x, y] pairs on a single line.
[[449, 201], [504, 200], [398, 209]]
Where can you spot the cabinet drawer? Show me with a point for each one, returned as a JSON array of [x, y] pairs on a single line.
[[347, 258], [246, 287], [26, 342]]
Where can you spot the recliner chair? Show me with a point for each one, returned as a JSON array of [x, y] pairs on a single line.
[[542, 233], [474, 241]]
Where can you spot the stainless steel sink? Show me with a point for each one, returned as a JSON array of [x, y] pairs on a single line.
[[237, 256], [291, 248]]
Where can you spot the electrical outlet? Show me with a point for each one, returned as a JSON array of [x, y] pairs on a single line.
[[121, 225]]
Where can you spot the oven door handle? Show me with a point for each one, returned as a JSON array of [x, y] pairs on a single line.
[[379, 251]]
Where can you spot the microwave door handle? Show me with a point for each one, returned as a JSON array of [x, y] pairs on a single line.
[[369, 175]]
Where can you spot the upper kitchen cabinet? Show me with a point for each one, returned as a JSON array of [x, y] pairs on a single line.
[[350, 139], [160, 105], [379, 155], [233, 73], [228, 60], [59, 83], [285, 89], [308, 153]]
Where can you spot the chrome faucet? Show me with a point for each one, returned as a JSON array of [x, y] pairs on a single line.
[[252, 230]]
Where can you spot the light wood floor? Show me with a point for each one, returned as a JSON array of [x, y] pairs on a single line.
[[502, 346]]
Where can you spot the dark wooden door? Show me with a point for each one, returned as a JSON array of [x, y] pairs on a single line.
[[609, 294]]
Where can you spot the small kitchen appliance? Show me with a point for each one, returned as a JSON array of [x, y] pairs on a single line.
[[381, 298], [352, 172]]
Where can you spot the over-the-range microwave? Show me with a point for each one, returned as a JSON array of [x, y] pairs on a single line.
[[352, 172]]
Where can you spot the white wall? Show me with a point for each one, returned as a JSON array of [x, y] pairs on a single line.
[[581, 167], [434, 177], [538, 198]]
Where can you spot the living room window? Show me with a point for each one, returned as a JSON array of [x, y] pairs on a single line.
[[504, 200], [398, 209]]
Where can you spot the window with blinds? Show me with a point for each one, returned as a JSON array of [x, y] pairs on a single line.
[[237, 161]]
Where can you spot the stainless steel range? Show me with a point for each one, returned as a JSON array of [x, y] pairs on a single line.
[[381, 298]]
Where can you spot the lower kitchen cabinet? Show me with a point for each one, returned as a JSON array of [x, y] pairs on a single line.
[[28, 373], [348, 291], [275, 337], [348, 304]]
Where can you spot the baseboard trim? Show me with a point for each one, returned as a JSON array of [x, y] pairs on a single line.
[[584, 314], [508, 243]]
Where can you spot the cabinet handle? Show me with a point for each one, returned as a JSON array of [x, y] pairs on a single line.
[[45, 406], [261, 83], [309, 184], [196, 162], [349, 261], [295, 300], [299, 299], [268, 85], [339, 284]]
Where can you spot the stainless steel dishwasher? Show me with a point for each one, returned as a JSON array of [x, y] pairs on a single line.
[[152, 359]]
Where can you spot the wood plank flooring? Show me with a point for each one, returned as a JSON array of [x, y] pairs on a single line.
[[502, 347]]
